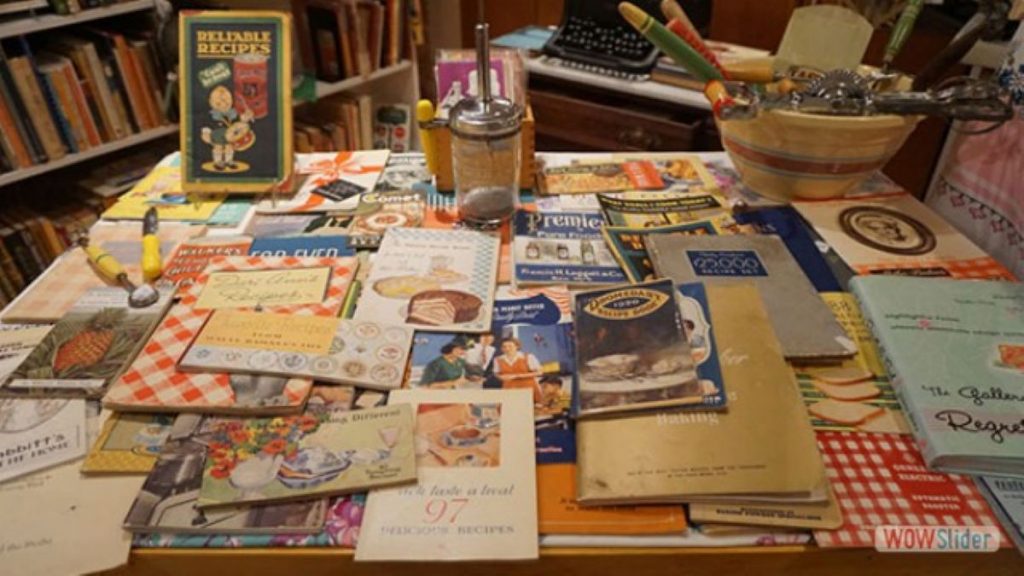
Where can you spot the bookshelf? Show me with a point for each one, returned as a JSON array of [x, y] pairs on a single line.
[[37, 23], [324, 89], [24, 173]]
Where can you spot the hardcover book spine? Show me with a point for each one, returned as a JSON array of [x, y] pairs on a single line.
[[13, 135], [39, 115], [58, 112], [88, 122], [10, 94], [116, 126], [65, 105], [126, 79], [7, 263]]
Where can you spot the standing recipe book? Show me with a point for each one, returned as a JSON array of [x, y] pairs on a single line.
[[805, 327], [476, 495], [236, 101], [955, 352]]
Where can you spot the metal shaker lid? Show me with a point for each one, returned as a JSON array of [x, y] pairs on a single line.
[[477, 119]]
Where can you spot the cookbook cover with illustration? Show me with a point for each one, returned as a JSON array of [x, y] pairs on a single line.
[[897, 234], [40, 433], [128, 444], [771, 453], [632, 351], [319, 453], [593, 177], [955, 352], [236, 101], [552, 248], [90, 346], [476, 493], [432, 280], [628, 246], [167, 502], [327, 349], [378, 211]]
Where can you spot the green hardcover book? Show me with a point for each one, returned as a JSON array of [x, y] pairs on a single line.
[[955, 353], [236, 109]]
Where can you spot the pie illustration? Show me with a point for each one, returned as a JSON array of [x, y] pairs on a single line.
[[402, 287]]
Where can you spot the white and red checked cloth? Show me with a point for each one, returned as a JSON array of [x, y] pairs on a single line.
[[881, 479], [153, 381]]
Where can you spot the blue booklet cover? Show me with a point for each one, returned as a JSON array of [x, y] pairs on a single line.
[[325, 246], [785, 222], [955, 352], [562, 248]]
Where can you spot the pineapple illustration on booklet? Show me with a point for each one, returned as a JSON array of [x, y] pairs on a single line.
[[88, 348]]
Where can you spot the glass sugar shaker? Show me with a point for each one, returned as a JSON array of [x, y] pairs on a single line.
[[485, 148]]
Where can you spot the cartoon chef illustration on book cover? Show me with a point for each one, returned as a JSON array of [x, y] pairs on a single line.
[[236, 84]]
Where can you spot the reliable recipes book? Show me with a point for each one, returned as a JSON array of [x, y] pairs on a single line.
[[562, 248], [90, 346], [803, 323], [632, 351], [476, 496], [236, 101], [955, 352]]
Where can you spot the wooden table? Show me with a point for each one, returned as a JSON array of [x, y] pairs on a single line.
[[762, 561]]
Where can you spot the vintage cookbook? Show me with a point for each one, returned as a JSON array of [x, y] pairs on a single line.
[[558, 512], [911, 495], [236, 100], [632, 351], [88, 348], [786, 223], [330, 182], [432, 280], [806, 515], [302, 286], [476, 496], [897, 234], [804, 325], [309, 245], [378, 211], [194, 255], [551, 248], [40, 433], [1006, 497], [638, 209], [128, 444], [854, 395], [771, 451], [530, 346], [955, 353], [71, 275], [315, 454], [628, 245], [167, 502], [594, 177], [162, 189], [325, 348]]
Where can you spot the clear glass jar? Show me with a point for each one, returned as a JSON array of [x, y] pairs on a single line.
[[485, 160]]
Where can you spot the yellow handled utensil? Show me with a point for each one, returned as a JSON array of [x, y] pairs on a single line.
[[428, 140], [108, 266], [152, 265]]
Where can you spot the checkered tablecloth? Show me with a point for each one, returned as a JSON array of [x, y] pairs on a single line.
[[881, 479], [71, 275], [153, 382]]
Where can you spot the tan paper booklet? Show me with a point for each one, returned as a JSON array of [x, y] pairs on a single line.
[[476, 496], [762, 448]]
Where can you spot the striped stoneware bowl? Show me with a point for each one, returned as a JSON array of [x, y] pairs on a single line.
[[789, 155]]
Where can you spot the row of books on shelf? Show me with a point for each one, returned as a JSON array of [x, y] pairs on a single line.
[[69, 92], [352, 123], [341, 39], [66, 7]]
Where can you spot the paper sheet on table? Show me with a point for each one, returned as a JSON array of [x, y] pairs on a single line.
[[56, 522]]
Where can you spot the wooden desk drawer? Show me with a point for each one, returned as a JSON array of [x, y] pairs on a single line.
[[577, 124]]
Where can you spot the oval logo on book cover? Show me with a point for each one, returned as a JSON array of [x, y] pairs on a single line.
[[626, 304]]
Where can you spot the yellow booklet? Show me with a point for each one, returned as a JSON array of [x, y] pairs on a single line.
[[162, 188]]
